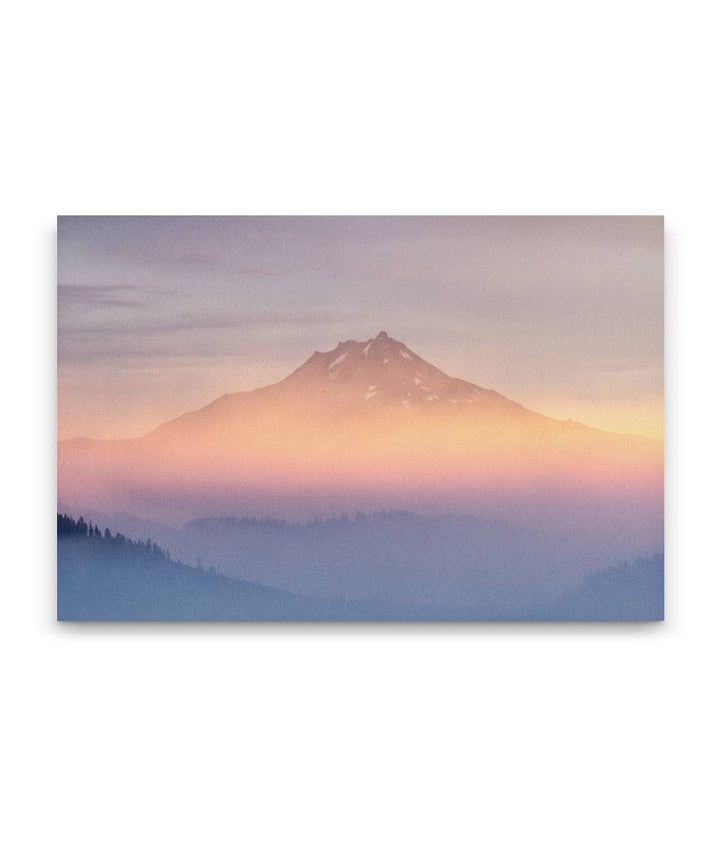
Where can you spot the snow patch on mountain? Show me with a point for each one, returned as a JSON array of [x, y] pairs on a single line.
[[338, 360]]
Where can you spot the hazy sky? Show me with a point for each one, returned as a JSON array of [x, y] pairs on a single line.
[[159, 315]]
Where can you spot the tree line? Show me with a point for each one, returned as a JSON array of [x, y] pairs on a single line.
[[68, 527]]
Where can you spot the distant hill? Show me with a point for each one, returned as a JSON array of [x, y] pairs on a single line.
[[459, 561], [105, 577], [634, 592]]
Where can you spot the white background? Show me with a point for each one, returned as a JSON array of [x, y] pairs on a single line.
[[352, 739]]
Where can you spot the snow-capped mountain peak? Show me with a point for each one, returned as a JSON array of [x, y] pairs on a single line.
[[383, 371]]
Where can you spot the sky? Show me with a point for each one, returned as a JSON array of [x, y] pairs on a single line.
[[161, 315]]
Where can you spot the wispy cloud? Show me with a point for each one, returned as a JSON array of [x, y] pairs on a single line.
[[202, 321], [120, 296]]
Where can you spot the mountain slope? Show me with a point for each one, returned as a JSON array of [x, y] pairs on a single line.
[[634, 592]]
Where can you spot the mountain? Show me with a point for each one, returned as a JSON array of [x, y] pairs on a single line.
[[356, 380], [369, 425]]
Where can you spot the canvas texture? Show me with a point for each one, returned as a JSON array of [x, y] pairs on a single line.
[[360, 419]]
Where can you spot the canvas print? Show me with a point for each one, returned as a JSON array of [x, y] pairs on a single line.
[[360, 419]]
